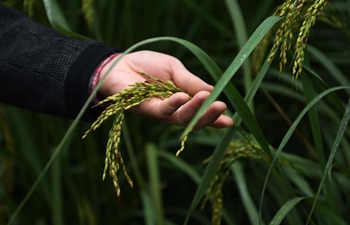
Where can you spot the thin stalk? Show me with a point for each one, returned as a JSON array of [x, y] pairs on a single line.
[[154, 177], [316, 133], [329, 164], [129, 146], [290, 122]]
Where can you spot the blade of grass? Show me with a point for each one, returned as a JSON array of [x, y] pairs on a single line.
[[338, 139], [299, 181], [241, 183], [57, 19], [59, 148], [326, 212], [309, 92], [242, 37], [181, 165], [232, 69], [154, 180], [197, 8], [284, 210], [307, 167], [289, 134], [129, 146], [328, 65], [148, 213], [332, 97]]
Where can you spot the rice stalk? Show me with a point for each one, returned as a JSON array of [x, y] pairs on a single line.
[[135, 95]]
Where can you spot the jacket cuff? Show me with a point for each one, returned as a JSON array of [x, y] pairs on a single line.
[[78, 78]]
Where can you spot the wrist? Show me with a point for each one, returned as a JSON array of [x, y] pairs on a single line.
[[98, 73]]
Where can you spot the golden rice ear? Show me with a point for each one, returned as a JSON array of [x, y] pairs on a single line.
[[88, 10], [295, 17], [119, 102], [240, 148]]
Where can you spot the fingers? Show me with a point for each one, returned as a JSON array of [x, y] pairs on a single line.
[[162, 110], [211, 117], [179, 110], [184, 115], [186, 80], [169, 106]]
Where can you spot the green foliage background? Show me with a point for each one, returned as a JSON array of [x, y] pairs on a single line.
[[71, 192]]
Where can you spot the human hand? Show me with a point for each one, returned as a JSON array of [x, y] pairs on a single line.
[[178, 109]]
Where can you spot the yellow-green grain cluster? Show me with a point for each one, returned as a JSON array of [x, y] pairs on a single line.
[[118, 103], [236, 150], [88, 11], [295, 16], [28, 6]]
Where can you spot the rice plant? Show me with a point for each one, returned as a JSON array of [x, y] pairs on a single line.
[[285, 161]]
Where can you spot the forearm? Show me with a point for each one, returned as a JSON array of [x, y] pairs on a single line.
[[43, 70]]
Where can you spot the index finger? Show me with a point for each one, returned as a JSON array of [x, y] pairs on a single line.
[[187, 81]]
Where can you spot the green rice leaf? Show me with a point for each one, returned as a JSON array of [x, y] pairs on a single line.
[[330, 66], [148, 212], [284, 210], [326, 212], [341, 131], [250, 208], [237, 19], [231, 71], [181, 165], [290, 132], [58, 20], [154, 180]]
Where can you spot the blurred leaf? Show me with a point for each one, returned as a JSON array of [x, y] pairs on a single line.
[[181, 165], [230, 72], [148, 209], [299, 180], [328, 65], [284, 210], [58, 20], [250, 208], [338, 139], [154, 180], [328, 214], [291, 131], [242, 36], [197, 8]]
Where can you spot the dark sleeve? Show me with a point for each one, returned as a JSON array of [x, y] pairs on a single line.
[[44, 71]]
